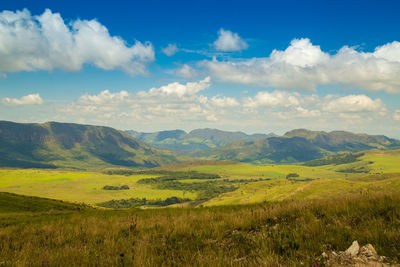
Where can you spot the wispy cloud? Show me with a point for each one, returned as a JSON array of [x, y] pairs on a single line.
[[186, 71], [170, 50]]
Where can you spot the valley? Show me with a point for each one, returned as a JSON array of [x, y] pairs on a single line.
[[98, 195], [212, 182], [200, 133]]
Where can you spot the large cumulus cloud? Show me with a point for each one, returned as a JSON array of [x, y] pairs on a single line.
[[46, 42], [305, 66]]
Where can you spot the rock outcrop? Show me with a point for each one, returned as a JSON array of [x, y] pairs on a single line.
[[356, 256]]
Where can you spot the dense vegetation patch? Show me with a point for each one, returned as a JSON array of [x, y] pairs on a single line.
[[292, 175], [335, 159], [111, 187], [354, 170], [139, 202]]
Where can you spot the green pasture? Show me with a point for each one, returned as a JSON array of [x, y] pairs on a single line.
[[244, 170], [282, 189], [80, 186], [374, 171]]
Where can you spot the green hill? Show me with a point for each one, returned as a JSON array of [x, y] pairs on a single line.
[[298, 146], [68, 145], [269, 150], [196, 140], [19, 203]]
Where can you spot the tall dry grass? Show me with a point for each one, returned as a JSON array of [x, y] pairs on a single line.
[[269, 234]]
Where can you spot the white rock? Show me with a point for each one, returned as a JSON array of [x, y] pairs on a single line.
[[353, 249]]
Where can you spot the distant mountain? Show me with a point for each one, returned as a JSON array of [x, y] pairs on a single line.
[[196, 140], [54, 144], [298, 146], [336, 141]]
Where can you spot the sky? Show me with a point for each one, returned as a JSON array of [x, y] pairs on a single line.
[[251, 66]]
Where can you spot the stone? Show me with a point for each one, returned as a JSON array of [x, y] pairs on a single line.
[[371, 248], [353, 249], [369, 252], [356, 256]]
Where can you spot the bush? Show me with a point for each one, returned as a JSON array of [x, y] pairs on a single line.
[[138, 202], [110, 187], [292, 175]]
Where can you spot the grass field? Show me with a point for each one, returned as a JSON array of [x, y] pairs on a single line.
[[277, 221], [282, 189], [373, 172], [266, 234], [79, 186]]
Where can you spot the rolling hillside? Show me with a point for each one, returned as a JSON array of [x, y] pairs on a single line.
[[53, 144], [298, 146]]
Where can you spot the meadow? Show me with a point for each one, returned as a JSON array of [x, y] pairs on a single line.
[[214, 183], [86, 187], [219, 213], [37, 232]]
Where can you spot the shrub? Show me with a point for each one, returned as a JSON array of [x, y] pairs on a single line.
[[292, 175], [110, 187]]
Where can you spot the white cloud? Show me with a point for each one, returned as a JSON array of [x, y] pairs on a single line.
[[32, 99], [229, 41], [181, 90], [305, 66], [354, 103], [298, 112], [396, 115], [186, 72], [274, 99], [301, 53], [390, 51], [224, 101], [350, 117], [105, 97], [212, 117], [183, 105], [45, 42], [170, 50]]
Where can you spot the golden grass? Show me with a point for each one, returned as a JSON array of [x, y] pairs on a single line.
[[270, 234]]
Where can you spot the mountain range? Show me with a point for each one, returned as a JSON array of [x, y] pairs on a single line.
[[298, 146], [198, 139], [69, 145]]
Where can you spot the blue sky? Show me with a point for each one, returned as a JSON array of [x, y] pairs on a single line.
[[254, 66]]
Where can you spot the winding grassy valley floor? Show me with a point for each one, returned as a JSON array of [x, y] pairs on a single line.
[[214, 183]]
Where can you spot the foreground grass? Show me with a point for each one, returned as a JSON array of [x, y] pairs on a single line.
[[285, 233]]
